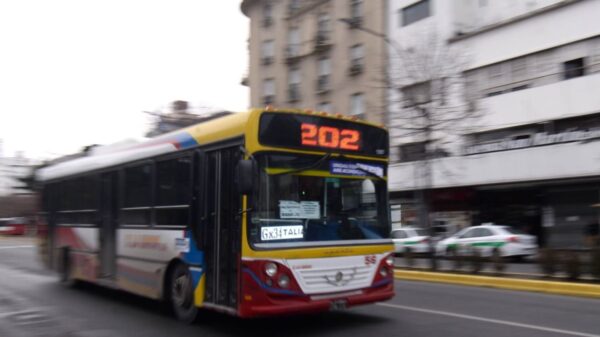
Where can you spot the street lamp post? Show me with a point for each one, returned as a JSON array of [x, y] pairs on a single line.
[[422, 193]]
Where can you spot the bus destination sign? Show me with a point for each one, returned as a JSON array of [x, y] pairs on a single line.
[[315, 132]]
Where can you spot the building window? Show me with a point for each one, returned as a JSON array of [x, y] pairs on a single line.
[[323, 24], [574, 68], [324, 67], [519, 68], [269, 91], [268, 52], [356, 59], [355, 8], [293, 6], [294, 85], [357, 105], [415, 12], [416, 94], [267, 14], [293, 48], [324, 106], [495, 71], [412, 152]]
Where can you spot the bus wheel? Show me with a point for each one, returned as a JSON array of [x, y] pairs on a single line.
[[181, 294]]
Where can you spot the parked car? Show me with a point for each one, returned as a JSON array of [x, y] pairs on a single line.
[[415, 240], [488, 240], [12, 226]]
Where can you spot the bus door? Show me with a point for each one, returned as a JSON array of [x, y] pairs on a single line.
[[108, 216], [220, 227]]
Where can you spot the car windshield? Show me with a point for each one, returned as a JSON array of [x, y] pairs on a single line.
[[512, 230], [398, 235], [305, 200], [421, 232]]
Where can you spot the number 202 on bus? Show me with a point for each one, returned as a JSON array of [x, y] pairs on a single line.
[[328, 136]]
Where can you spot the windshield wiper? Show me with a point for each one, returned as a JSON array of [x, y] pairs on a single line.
[[309, 167]]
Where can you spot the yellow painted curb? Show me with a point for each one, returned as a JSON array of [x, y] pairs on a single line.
[[551, 287]]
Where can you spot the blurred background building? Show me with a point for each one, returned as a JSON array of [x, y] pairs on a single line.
[[492, 106], [531, 158], [312, 54], [179, 117], [16, 197]]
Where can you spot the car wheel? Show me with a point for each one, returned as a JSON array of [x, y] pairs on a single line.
[[181, 294]]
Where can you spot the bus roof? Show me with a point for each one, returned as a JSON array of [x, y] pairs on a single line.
[[212, 131], [215, 130]]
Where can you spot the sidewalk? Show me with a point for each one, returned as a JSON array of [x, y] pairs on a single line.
[[516, 276]]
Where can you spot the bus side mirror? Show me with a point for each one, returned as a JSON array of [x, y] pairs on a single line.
[[245, 175]]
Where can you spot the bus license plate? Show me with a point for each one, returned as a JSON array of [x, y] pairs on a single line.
[[338, 305]]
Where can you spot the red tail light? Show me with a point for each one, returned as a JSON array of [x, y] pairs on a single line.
[[384, 273], [425, 240], [513, 239]]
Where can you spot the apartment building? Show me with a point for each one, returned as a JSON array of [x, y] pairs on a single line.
[[530, 159], [325, 55]]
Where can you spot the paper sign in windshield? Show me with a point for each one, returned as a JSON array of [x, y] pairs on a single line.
[[281, 233], [289, 209], [355, 169]]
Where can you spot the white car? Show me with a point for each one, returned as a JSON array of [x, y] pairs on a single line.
[[488, 240], [415, 240]]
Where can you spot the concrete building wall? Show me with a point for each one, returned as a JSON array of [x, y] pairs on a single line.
[[340, 39]]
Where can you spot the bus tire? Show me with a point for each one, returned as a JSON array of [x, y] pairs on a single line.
[[181, 294]]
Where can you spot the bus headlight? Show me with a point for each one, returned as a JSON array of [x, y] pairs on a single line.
[[284, 281], [389, 261], [383, 272], [270, 269]]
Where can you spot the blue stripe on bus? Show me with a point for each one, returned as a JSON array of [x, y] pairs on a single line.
[[185, 140], [194, 257]]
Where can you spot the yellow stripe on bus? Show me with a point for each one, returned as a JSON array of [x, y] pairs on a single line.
[[199, 291]]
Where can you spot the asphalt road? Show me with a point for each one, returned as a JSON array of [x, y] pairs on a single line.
[[33, 303]]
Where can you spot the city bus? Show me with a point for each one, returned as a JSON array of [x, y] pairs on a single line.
[[258, 213]]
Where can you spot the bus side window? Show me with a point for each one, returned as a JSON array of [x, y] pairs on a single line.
[[173, 191], [137, 195]]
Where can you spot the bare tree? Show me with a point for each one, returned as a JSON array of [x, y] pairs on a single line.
[[428, 110]]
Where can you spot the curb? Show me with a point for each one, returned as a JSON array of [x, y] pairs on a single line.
[[550, 287]]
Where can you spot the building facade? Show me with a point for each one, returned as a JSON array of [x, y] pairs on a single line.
[[530, 157], [11, 170], [322, 55]]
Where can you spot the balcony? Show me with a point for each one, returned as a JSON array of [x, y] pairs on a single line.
[[562, 99], [540, 163], [355, 22], [266, 60], [322, 42], [356, 68], [292, 53], [267, 21]]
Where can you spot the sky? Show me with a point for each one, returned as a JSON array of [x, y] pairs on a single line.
[[81, 72]]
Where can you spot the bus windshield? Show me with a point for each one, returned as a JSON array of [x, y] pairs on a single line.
[[313, 200]]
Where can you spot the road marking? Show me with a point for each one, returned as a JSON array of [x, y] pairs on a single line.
[[489, 320], [13, 247]]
